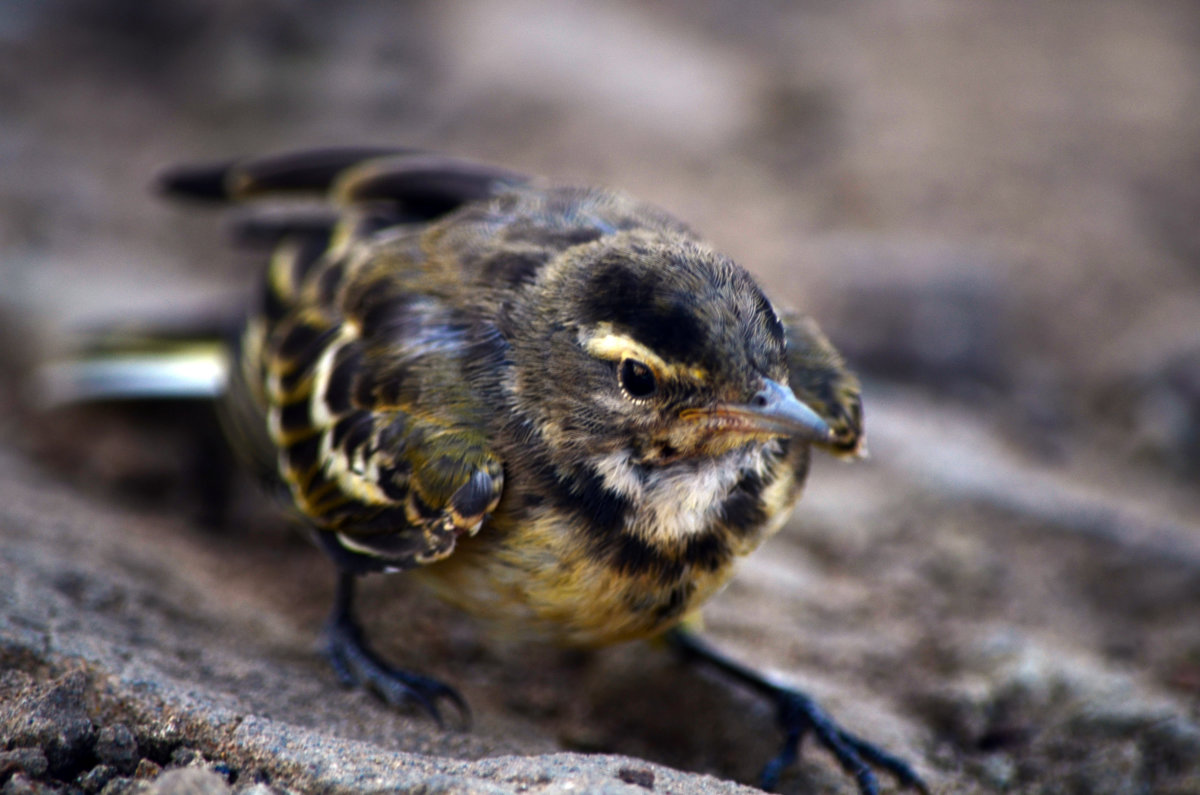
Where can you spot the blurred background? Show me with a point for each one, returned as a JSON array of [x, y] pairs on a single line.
[[984, 198], [992, 207]]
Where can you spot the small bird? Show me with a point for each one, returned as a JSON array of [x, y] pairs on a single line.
[[559, 407]]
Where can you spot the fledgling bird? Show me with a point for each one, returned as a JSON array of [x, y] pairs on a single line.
[[558, 406]]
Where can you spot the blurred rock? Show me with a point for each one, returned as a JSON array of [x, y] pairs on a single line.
[[1172, 745], [96, 779], [925, 314], [116, 746], [21, 785], [1025, 700], [118, 678], [1157, 404], [29, 761], [189, 781]]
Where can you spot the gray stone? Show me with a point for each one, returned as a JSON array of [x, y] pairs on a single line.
[[53, 718], [189, 781], [116, 746], [30, 761]]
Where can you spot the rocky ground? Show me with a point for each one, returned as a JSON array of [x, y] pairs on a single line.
[[989, 206]]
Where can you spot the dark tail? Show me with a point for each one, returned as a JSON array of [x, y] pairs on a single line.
[[420, 186]]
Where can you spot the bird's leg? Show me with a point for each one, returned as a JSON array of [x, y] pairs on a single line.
[[212, 468], [357, 664], [798, 716]]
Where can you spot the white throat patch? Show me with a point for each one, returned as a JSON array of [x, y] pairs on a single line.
[[677, 500]]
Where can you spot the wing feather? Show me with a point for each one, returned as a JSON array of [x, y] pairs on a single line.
[[819, 377], [359, 362]]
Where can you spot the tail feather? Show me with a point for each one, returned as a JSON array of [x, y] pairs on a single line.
[[196, 375], [419, 186], [169, 364], [307, 171], [354, 192], [126, 368], [425, 185], [263, 230]]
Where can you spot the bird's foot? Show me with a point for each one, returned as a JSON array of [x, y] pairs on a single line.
[[357, 665], [799, 715]]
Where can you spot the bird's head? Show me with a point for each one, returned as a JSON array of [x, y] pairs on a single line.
[[654, 343]]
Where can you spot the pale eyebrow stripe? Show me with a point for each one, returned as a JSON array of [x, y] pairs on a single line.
[[610, 345]]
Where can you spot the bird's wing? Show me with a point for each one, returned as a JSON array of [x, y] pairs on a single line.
[[364, 385], [357, 361], [378, 448], [820, 378]]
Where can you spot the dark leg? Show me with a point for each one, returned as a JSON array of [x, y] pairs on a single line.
[[358, 665], [213, 469], [798, 715]]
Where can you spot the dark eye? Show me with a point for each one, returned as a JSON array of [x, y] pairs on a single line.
[[636, 379]]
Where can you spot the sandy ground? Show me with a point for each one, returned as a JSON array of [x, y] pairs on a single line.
[[990, 207]]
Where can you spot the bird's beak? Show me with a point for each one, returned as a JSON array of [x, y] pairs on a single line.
[[773, 411]]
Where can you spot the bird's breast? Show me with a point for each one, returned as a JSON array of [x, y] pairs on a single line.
[[612, 553]]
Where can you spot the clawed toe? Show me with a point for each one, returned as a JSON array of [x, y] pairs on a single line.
[[798, 715]]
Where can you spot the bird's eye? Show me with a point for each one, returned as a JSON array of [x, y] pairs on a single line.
[[636, 379]]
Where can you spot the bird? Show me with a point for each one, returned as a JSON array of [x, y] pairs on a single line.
[[558, 407]]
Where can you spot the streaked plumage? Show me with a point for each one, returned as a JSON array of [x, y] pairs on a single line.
[[559, 406], [419, 377]]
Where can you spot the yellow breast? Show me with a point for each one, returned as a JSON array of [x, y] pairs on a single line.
[[539, 581], [543, 573]]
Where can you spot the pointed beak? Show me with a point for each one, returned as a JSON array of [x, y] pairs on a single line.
[[773, 411]]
